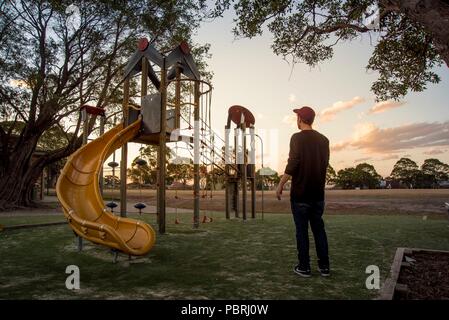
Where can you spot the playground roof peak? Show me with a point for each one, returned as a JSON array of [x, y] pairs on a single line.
[[180, 57]]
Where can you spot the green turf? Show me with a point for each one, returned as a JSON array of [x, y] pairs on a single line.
[[34, 219], [222, 260]]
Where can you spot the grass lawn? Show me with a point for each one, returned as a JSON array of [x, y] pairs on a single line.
[[34, 219], [221, 260]]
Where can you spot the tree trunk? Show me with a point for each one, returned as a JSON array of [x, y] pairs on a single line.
[[21, 171], [433, 15], [17, 183]]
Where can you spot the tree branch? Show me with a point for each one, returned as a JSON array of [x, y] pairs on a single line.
[[12, 104]]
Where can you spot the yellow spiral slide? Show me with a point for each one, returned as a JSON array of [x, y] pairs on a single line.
[[79, 193]]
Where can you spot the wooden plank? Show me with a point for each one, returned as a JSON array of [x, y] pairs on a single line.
[[387, 291], [428, 250], [401, 290]]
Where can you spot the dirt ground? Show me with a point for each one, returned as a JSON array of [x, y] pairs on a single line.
[[417, 201], [427, 277], [423, 202]]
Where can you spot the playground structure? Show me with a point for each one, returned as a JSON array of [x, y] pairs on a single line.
[[157, 120], [243, 168]]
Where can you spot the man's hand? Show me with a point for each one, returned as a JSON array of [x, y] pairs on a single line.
[[279, 191], [280, 187]]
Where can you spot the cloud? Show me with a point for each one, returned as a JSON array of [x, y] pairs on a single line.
[[370, 138], [390, 157], [329, 113], [339, 146], [291, 120], [384, 106], [292, 97], [432, 152], [362, 159]]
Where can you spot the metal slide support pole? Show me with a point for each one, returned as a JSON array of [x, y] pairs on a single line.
[[162, 150], [196, 162], [80, 243], [124, 153]]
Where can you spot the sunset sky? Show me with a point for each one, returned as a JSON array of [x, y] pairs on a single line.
[[246, 72]]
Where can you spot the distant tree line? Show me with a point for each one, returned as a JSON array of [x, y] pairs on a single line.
[[405, 174]]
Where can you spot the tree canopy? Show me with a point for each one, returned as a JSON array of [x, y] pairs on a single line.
[[413, 36], [405, 170], [363, 175], [436, 168], [58, 55], [432, 172]]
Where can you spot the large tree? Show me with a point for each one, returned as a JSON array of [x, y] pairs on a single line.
[[345, 178], [146, 173], [405, 170], [364, 175], [331, 175], [367, 176], [439, 171], [58, 55], [180, 172], [414, 34]]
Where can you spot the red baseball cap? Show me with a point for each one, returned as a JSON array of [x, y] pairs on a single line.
[[306, 114]]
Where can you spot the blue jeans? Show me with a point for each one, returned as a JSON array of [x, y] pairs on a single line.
[[303, 213]]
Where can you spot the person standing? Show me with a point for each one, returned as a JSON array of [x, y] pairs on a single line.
[[307, 165]]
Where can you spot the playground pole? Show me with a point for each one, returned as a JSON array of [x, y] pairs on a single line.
[[244, 174], [85, 117], [162, 148], [178, 99], [124, 155], [253, 172], [235, 188], [102, 119], [227, 161], [196, 165]]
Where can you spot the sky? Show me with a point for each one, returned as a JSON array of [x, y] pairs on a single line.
[[248, 73]]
